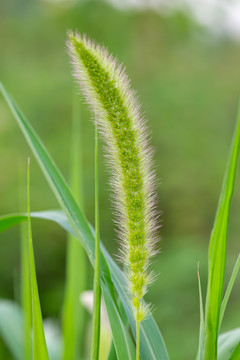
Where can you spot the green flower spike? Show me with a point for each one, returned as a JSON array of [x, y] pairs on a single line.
[[117, 113]]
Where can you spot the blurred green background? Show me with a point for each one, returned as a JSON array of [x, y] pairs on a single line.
[[187, 80]]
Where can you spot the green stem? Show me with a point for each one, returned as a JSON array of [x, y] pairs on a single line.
[[137, 340], [25, 279], [73, 310], [97, 289]]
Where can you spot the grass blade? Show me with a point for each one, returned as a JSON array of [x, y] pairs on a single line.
[[152, 344], [227, 343], [97, 288], [73, 311], [229, 289], [11, 328], [217, 253], [201, 329], [53, 338], [39, 343]]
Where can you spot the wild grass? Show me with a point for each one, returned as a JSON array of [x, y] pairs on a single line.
[[106, 88], [117, 115]]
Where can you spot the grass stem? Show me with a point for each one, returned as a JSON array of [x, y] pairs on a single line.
[[25, 278], [97, 289], [137, 340]]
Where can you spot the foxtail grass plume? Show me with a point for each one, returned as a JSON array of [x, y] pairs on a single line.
[[117, 113]]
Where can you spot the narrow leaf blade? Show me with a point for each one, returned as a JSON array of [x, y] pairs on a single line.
[[229, 289], [39, 343], [217, 253], [201, 329]]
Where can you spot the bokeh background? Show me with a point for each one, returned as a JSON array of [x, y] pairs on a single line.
[[183, 59]]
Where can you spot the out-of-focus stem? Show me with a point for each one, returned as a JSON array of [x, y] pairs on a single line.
[[97, 289]]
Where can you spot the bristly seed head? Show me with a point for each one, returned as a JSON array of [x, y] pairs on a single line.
[[106, 88]]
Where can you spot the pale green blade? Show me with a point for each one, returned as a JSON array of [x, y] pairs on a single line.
[[229, 289], [57, 216], [201, 328], [11, 328], [236, 353], [39, 347], [53, 338], [152, 342], [217, 253], [75, 284], [227, 343]]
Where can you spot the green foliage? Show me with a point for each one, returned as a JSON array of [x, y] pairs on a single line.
[[188, 84], [113, 281]]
